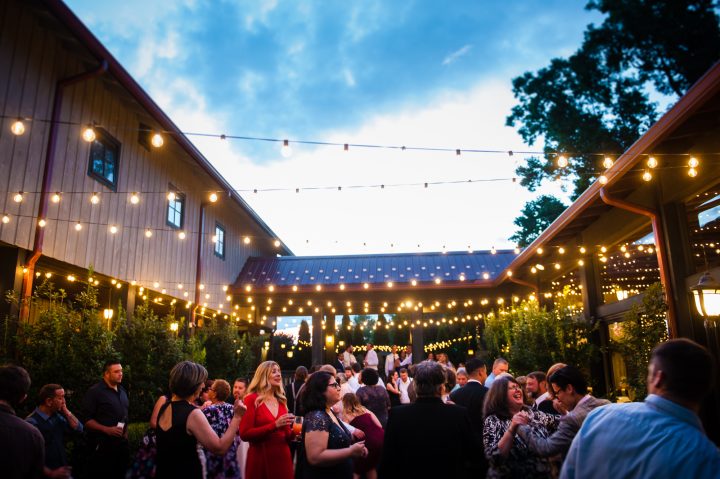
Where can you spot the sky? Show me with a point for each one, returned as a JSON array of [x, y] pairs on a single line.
[[410, 73]]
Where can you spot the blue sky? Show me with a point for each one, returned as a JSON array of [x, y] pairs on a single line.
[[405, 73]]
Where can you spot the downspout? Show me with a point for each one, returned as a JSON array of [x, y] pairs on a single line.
[[198, 266], [47, 180], [663, 264], [521, 282]]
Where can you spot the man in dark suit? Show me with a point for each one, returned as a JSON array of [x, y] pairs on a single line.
[[428, 438], [472, 396]]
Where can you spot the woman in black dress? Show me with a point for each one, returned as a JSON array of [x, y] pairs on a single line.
[[327, 445], [181, 425], [374, 396]]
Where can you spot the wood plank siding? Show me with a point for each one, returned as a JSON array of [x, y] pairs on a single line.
[[36, 51]]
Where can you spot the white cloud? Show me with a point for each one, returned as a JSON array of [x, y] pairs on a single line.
[[454, 56], [349, 77]]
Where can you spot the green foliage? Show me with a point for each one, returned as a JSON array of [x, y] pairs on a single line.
[[532, 338], [344, 332], [381, 335], [149, 350], [535, 217], [304, 354], [220, 339], [63, 345], [281, 344], [644, 327], [247, 357]]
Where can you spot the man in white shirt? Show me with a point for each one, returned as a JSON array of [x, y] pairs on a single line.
[[353, 377], [403, 386], [349, 357], [408, 358], [536, 387], [390, 361], [371, 357]]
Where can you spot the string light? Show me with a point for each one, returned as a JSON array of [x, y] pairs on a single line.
[[171, 196], [562, 161], [134, 198], [652, 162], [18, 127], [78, 226], [95, 198], [603, 179], [18, 197], [148, 233], [286, 151], [693, 162], [88, 134], [55, 198], [5, 219], [692, 172], [42, 223], [157, 140], [213, 197], [608, 162], [181, 235], [113, 229], [647, 176]]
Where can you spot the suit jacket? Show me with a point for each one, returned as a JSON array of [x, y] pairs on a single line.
[[559, 442], [427, 439], [472, 397]]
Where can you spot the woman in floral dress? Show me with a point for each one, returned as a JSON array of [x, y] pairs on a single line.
[[219, 414]]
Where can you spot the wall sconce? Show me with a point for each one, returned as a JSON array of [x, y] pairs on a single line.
[[707, 296]]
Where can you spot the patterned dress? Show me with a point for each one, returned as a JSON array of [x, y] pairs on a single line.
[[376, 399], [225, 466], [338, 438], [520, 463]]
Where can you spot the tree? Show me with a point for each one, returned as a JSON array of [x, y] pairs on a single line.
[[304, 354], [596, 102], [536, 216], [345, 330], [380, 334]]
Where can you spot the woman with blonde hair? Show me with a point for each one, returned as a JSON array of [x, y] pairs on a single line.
[[365, 420], [266, 426]]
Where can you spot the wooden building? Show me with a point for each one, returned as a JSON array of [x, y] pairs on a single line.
[[137, 213]]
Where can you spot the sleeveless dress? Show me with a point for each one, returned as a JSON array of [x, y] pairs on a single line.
[[339, 438], [177, 453], [374, 438]]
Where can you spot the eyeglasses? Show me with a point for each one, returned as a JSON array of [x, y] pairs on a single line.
[[514, 387], [334, 385]]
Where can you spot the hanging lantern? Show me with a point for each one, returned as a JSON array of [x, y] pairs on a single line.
[[707, 296]]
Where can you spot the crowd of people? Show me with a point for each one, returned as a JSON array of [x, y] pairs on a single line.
[[354, 419]]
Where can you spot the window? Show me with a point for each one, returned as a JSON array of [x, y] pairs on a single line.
[[144, 132], [219, 241], [176, 209], [104, 155]]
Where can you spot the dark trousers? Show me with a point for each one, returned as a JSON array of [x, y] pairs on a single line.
[[109, 458]]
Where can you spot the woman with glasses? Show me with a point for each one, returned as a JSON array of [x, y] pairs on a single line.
[[327, 445], [266, 426], [507, 453]]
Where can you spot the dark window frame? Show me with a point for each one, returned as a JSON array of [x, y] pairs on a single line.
[[219, 241], [179, 198], [108, 142]]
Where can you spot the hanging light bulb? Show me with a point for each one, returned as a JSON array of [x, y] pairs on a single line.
[[5, 219], [562, 161], [493, 250], [171, 196], [213, 197], [692, 172], [214, 238], [18, 197], [182, 235], [148, 233], [652, 162], [113, 229], [647, 176], [603, 180], [78, 226], [95, 198], [246, 240], [286, 151], [55, 198], [134, 198], [517, 250], [157, 140], [42, 223], [693, 162], [608, 162], [277, 243], [18, 127], [88, 134]]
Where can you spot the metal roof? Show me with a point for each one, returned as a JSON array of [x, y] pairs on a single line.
[[467, 268]]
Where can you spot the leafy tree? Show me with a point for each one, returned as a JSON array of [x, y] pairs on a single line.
[[149, 350], [247, 347], [344, 332], [596, 101], [536, 216], [380, 334], [304, 354], [220, 341]]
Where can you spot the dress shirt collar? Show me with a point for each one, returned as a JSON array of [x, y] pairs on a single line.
[[474, 381], [674, 409], [42, 414]]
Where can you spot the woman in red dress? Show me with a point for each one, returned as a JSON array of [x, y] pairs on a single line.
[[266, 426]]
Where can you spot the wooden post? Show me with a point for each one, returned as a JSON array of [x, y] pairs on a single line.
[[318, 341], [416, 338]]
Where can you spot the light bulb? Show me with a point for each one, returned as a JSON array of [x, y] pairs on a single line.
[[148, 233], [561, 250], [246, 240], [693, 162], [652, 162], [286, 151], [134, 198], [171, 196], [17, 128], [517, 250], [78, 226], [18, 197], [88, 134], [42, 223], [95, 198], [608, 162], [55, 198], [214, 238], [157, 140], [647, 176], [5, 219], [692, 172], [277, 243], [562, 161], [181, 235], [603, 180], [493, 250], [213, 197], [113, 229]]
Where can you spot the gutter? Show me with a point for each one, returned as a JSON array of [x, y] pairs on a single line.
[[663, 260], [47, 180]]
